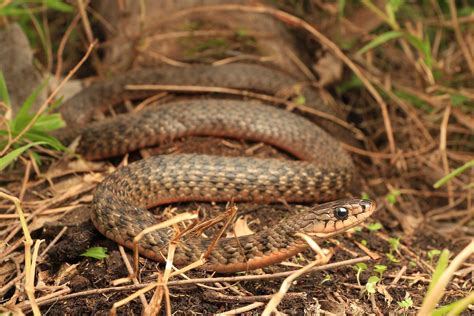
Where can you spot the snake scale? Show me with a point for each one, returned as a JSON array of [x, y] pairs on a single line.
[[324, 172]]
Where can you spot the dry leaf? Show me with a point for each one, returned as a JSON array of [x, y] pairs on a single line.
[[241, 228]]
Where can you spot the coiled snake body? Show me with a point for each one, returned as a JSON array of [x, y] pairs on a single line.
[[120, 201]]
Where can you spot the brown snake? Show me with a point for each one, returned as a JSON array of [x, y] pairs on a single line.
[[120, 201]]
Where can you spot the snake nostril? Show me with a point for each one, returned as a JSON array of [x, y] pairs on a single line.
[[341, 213], [365, 205]]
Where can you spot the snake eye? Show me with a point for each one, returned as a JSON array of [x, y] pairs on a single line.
[[341, 213]]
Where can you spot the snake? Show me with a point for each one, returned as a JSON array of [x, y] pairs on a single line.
[[323, 173]]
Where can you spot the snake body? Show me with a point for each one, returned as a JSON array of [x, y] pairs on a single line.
[[120, 201], [79, 110]]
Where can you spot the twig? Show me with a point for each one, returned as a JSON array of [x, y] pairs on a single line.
[[241, 310], [285, 286], [62, 45], [82, 4], [455, 23], [30, 261], [443, 136]]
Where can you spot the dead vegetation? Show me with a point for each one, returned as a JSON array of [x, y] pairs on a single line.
[[408, 84]]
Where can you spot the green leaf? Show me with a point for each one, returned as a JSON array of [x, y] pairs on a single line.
[[360, 267], [10, 10], [374, 226], [50, 122], [380, 268], [413, 99], [406, 303], [379, 40], [23, 116], [458, 99], [300, 100], [371, 284], [433, 253], [396, 4], [392, 258], [392, 196], [454, 173], [365, 196], [422, 46], [59, 6], [341, 5], [14, 154], [327, 278], [98, 253], [4, 96], [394, 243], [354, 82], [45, 138]]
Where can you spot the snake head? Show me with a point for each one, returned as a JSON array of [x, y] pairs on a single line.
[[335, 217]]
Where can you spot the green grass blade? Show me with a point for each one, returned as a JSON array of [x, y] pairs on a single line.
[[50, 122], [14, 154], [23, 116], [454, 173], [422, 46], [4, 96], [59, 5], [37, 136], [440, 268], [455, 308], [379, 40]]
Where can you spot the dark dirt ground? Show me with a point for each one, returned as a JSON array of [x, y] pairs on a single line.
[[423, 219]]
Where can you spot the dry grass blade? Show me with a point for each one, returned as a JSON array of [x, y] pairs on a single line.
[[177, 219], [113, 310], [241, 310], [459, 37], [285, 286], [30, 261]]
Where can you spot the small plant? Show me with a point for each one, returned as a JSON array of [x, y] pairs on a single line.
[[327, 278], [391, 197], [433, 253], [380, 269], [394, 244], [365, 196], [26, 130], [372, 284], [359, 267], [98, 253], [374, 226], [392, 258], [300, 100], [422, 45], [407, 302]]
